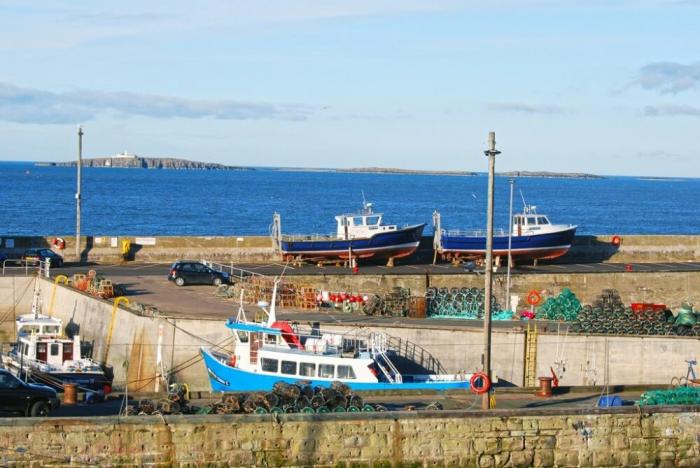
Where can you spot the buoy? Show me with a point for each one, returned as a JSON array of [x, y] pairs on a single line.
[[616, 240], [534, 298], [59, 243], [485, 383]]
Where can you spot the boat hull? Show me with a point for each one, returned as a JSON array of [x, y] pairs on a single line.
[[224, 378], [390, 244], [84, 381], [539, 246]]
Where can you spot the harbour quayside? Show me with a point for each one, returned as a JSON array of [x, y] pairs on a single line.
[[358, 235], [532, 237], [269, 351], [43, 355]]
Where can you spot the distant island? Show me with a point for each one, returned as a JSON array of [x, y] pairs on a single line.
[[558, 175], [125, 160], [377, 170]]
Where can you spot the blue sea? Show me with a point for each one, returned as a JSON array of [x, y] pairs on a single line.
[[38, 200]]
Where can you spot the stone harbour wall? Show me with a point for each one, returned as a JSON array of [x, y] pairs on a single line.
[[259, 249], [617, 437]]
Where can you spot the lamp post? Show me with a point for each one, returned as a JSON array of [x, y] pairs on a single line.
[[511, 181], [77, 194], [488, 270]]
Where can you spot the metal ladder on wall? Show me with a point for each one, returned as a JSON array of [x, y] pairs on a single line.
[[378, 348], [531, 355]]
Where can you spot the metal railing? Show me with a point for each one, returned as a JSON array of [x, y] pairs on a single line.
[[232, 270], [28, 266]]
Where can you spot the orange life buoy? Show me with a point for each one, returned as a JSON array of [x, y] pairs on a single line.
[[534, 298], [232, 361], [616, 240], [485, 383], [59, 243]]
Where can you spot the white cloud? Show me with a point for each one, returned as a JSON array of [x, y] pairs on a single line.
[[526, 108], [669, 77], [672, 110], [36, 106]]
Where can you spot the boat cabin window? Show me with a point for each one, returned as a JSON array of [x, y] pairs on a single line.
[[269, 365], [54, 349], [242, 336], [52, 329], [372, 220], [531, 220], [307, 369], [326, 371], [542, 220], [289, 368], [346, 372], [270, 339], [358, 221]]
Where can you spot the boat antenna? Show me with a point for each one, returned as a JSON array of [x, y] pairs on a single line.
[[364, 202], [524, 202]]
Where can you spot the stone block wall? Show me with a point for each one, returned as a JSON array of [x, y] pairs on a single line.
[[255, 249], [619, 437]]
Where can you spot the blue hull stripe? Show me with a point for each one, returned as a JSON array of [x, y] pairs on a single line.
[[224, 378]]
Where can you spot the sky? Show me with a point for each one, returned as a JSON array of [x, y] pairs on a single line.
[[603, 87]]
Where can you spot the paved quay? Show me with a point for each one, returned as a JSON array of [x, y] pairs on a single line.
[[274, 269], [568, 398]]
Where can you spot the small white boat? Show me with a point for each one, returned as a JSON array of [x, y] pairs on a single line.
[[43, 354]]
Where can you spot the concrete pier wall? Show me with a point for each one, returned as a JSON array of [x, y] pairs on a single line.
[[579, 360], [617, 437], [241, 249], [16, 293]]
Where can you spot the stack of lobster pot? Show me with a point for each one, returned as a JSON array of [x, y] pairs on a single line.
[[467, 303], [609, 316]]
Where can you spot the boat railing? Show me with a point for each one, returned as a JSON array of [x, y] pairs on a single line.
[[308, 237], [473, 233], [378, 349], [415, 354]]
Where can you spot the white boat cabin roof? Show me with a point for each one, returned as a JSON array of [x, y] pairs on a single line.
[[38, 324]]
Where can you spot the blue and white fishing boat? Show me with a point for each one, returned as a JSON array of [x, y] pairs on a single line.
[[270, 351], [533, 237], [358, 235]]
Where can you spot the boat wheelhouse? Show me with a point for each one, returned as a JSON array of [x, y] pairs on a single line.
[[358, 235], [270, 351], [533, 237]]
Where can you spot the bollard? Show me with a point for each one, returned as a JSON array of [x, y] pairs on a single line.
[[545, 387], [70, 394]]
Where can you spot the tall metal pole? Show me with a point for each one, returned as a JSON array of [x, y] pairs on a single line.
[[491, 154], [510, 243], [77, 194]]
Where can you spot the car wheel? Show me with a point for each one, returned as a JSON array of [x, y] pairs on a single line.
[[217, 281], [40, 408], [180, 281]]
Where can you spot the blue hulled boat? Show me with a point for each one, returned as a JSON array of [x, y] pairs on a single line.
[[358, 235], [533, 237], [269, 351]]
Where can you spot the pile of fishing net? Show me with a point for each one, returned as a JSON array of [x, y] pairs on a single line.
[[673, 396]]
